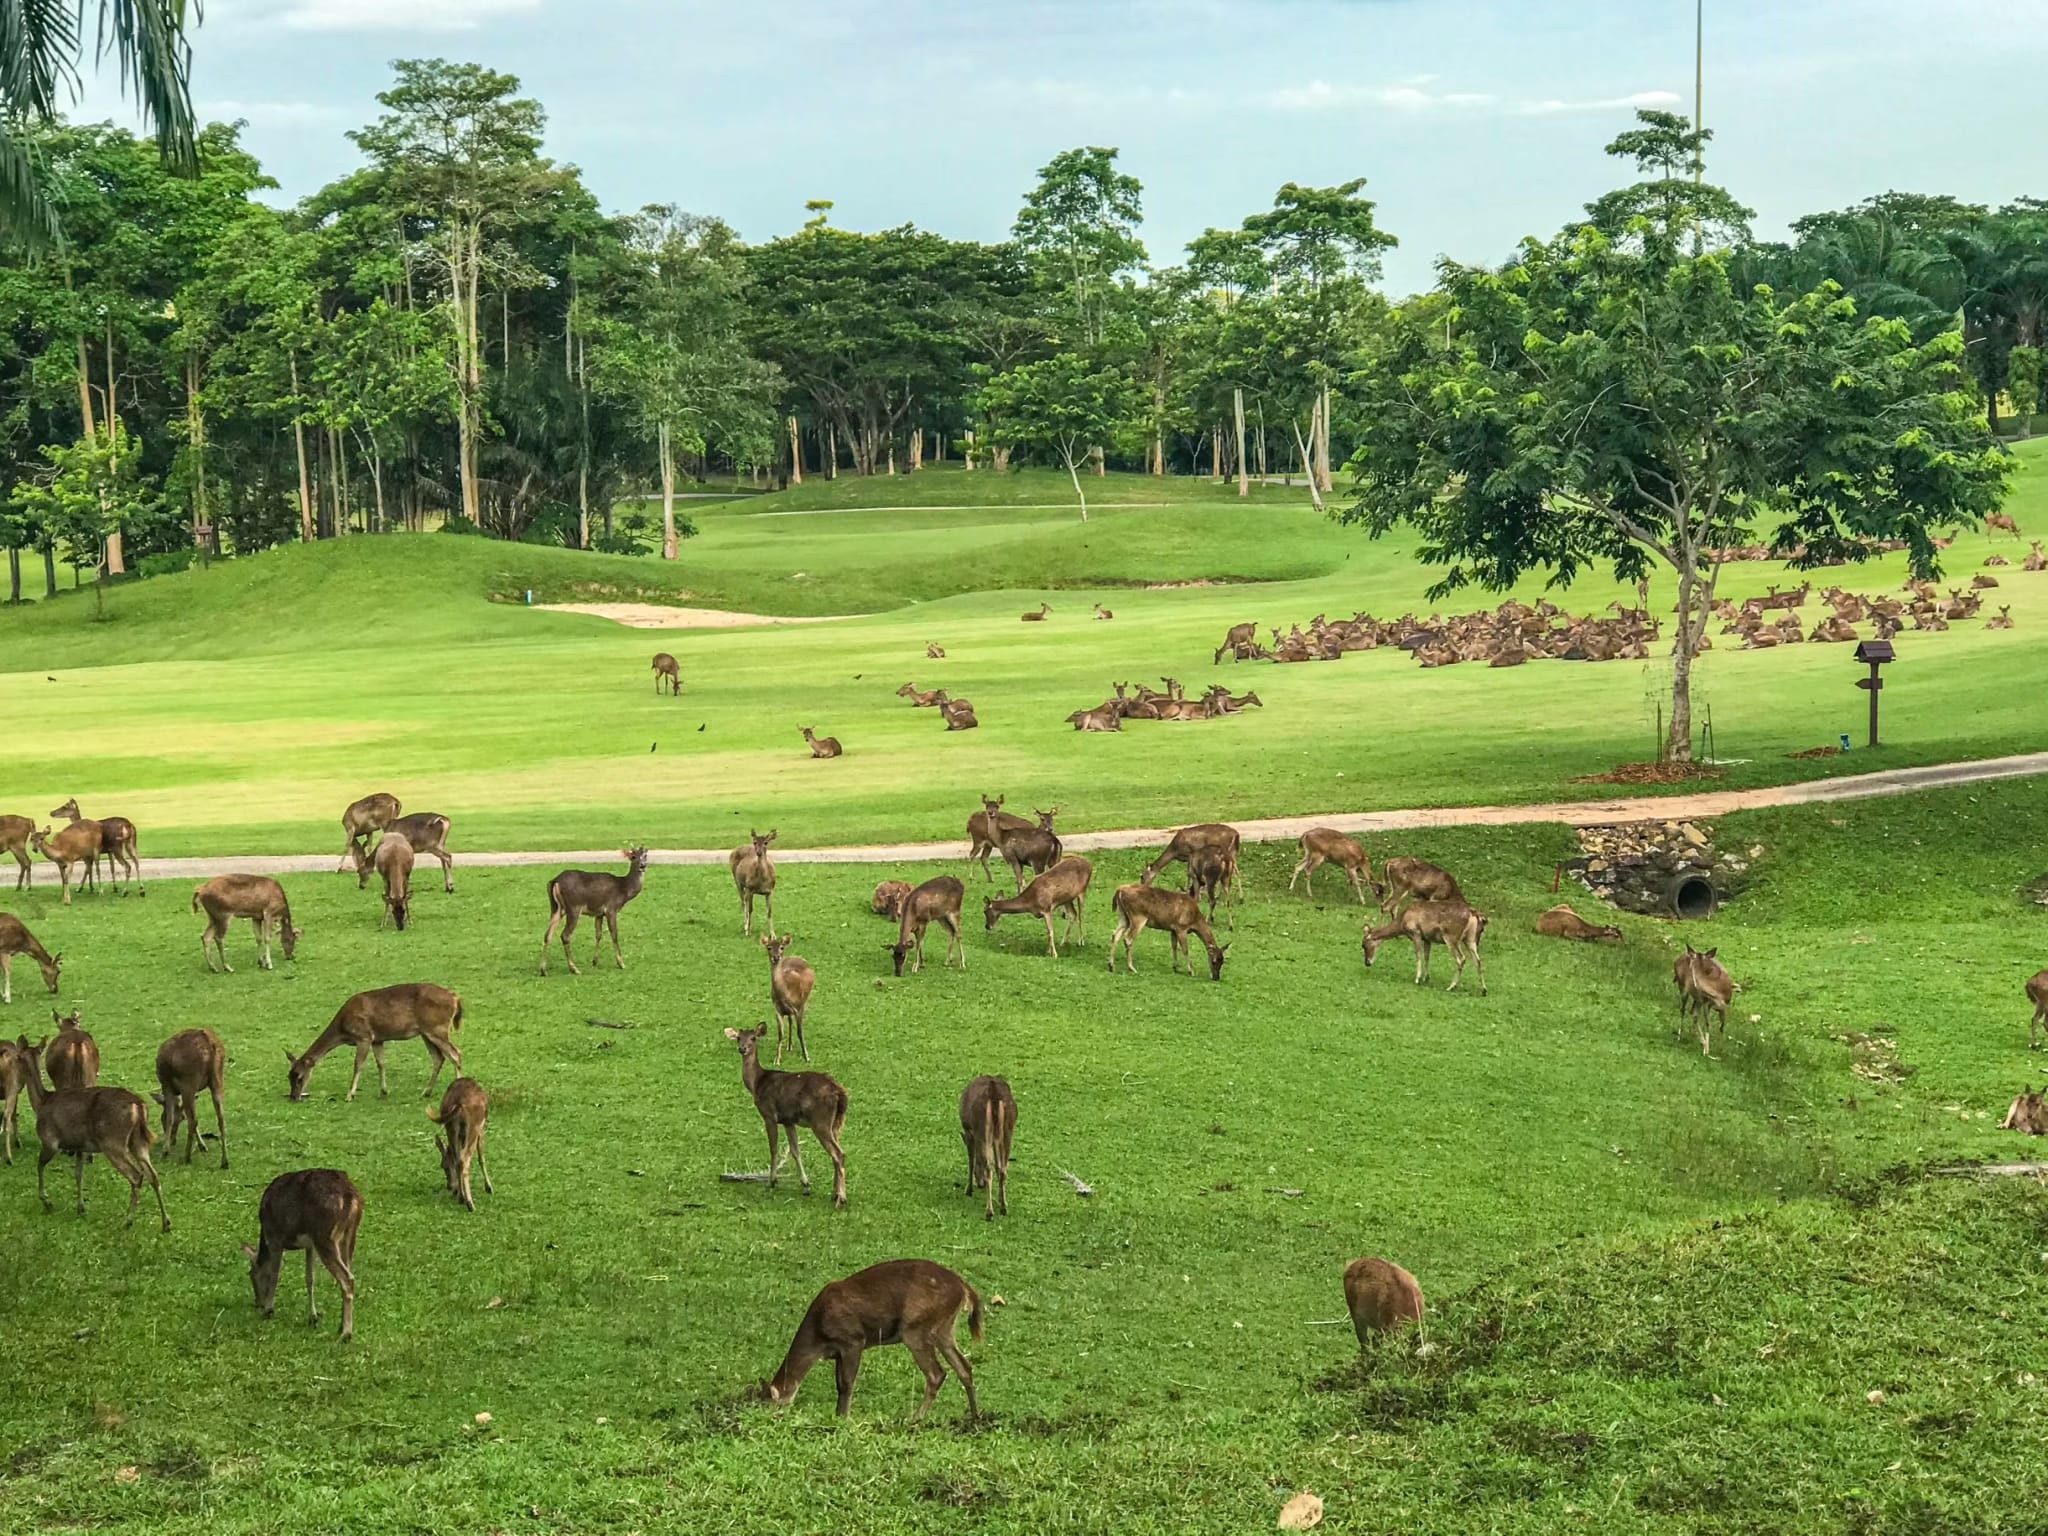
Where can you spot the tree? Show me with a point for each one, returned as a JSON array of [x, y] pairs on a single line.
[[1063, 406], [1079, 229], [93, 488], [2023, 383]]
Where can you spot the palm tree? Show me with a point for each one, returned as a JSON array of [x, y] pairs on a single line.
[[41, 43]]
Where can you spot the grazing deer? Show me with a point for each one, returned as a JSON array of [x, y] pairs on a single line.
[[1210, 875], [117, 842], [788, 1100], [464, 1108], [1993, 521], [1209, 834], [1326, 845], [15, 832], [937, 900], [921, 699], [1177, 912], [1417, 878], [319, 1210], [988, 1119], [959, 715], [985, 830], [1240, 639], [753, 874], [73, 1057], [912, 1302], [889, 898], [1034, 847], [790, 979], [78, 843], [15, 1064], [1704, 991], [2003, 621], [1380, 1295], [1561, 922], [256, 897], [77, 1122], [934, 651], [2037, 994], [15, 939], [2027, 1114], [427, 832], [821, 746], [1102, 612], [666, 670], [1064, 887], [191, 1060], [1426, 924], [1038, 617], [394, 867], [370, 1020], [596, 894], [2035, 561], [372, 813]]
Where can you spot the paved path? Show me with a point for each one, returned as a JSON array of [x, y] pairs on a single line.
[[1576, 813]]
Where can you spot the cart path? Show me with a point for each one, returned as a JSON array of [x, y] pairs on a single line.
[[1577, 813]]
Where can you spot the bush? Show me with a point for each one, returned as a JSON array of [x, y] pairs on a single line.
[[455, 522], [165, 562]]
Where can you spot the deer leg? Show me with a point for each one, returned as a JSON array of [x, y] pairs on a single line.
[[796, 1156], [206, 948], [383, 1082], [447, 870], [7, 1129], [1421, 958], [442, 1051], [263, 928], [483, 1167], [805, 1049], [220, 1124], [1457, 949], [155, 1187], [1478, 965], [547, 939], [613, 921], [1303, 868], [951, 1350], [597, 940], [78, 1170], [927, 1358], [768, 902], [1050, 947], [954, 946], [6, 978], [42, 1163], [829, 1140], [462, 1182], [845, 1367], [312, 1301], [568, 928], [973, 1181], [774, 1150]]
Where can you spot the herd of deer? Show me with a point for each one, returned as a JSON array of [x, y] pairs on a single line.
[[1150, 704], [1923, 605], [1506, 636]]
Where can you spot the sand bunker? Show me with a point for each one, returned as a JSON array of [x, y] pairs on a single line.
[[660, 616]]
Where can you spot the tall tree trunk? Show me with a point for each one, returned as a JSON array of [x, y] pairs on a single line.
[[306, 530], [1695, 597], [583, 447], [50, 570], [13, 574], [796, 452], [1073, 475], [916, 449], [669, 547], [1243, 484], [892, 456], [1322, 471], [831, 452], [195, 436], [1216, 450], [967, 447], [113, 565], [344, 510], [1099, 459], [377, 484], [1308, 469]]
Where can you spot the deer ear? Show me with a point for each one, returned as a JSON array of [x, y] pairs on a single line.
[[732, 1034], [247, 1252], [288, 1056]]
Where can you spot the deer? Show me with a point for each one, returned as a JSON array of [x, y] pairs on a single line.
[[1209, 874], [1102, 612], [934, 651], [73, 1056], [1038, 617], [2003, 621], [78, 843], [753, 874], [1240, 639], [77, 1122], [1561, 922], [2035, 561], [1208, 834], [1993, 521], [988, 1119], [2037, 994], [889, 898], [1426, 924], [319, 1210], [15, 939], [256, 897], [2027, 1114], [15, 832], [821, 746], [1704, 991], [788, 1100], [920, 698], [372, 813], [117, 842], [1982, 583], [14, 1069], [371, 1020], [1380, 1296], [937, 900], [1177, 912], [427, 832], [985, 829], [1098, 719], [393, 859], [959, 715], [1326, 845], [1406, 877], [597, 894], [912, 1302], [1228, 703], [190, 1061], [464, 1108], [1037, 847], [666, 671], [1064, 887], [790, 979]]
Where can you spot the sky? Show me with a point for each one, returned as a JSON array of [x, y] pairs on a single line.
[[1475, 122]]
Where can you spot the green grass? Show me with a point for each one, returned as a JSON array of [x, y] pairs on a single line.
[[1611, 1227]]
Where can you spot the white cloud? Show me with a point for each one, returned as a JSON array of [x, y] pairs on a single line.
[[1409, 96], [1632, 102], [398, 15]]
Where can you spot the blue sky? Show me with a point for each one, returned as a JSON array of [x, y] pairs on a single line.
[[1475, 121]]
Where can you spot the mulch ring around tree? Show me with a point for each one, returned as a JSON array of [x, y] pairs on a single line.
[[1651, 773]]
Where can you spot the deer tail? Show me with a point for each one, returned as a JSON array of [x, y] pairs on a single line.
[[839, 1112], [988, 1137], [433, 1114], [456, 1022], [195, 896], [973, 1313]]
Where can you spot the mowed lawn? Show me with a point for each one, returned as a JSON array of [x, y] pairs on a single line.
[[240, 708], [1663, 1285]]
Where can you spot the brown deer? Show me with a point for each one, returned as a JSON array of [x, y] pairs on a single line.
[[15, 832], [1983, 583], [1102, 612], [790, 979], [988, 1118], [319, 1210], [117, 842], [256, 897], [2035, 561], [1036, 848], [1038, 617], [934, 651], [596, 894], [1417, 878], [1704, 991], [1380, 1295], [985, 829], [937, 900], [920, 699], [78, 843], [889, 898], [2003, 621], [1099, 719], [464, 1108], [394, 867], [821, 746], [1426, 924], [959, 715], [1139, 905], [15, 939], [666, 671], [2037, 994], [912, 1302], [190, 1061], [371, 1020], [73, 1057], [372, 813], [788, 1100], [77, 1122], [1993, 521], [14, 1069], [1209, 834], [1326, 845], [753, 874], [2027, 1114], [1240, 639], [427, 832], [1210, 874], [1561, 922], [1064, 887]]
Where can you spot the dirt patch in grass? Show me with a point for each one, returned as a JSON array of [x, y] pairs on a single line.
[[661, 616], [1652, 773]]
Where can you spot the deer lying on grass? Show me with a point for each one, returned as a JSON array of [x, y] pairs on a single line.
[[256, 897], [77, 1122], [15, 939], [427, 832], [2037, 994], [117, 842], [1326, 845], [316, 1209], [1983, 583], [1704, 991], [1209, 834], [1064, 887], [934, 651], [1034, 847], [1380, 1296], [985, 829], [372, 813], [73, 1056], [666, 670], [821, 746], [2027, 1114], [1137, 906], [79, 844], [15, 832], [1426, 924], [753, 874], [464, 1108], [2003, 621], [15, 1064], [889, 898], [191, 1061], [1993, 521], [596, 894], [371, 1020], [1417, 878], [912, 1302], [788, 1100], [1237, 643], [988, 1118], [1034, 618], [2035, 561], [394, 867], [790, 979], [937, 900], [1098, 719], [920, 699], [1561, 922], [959, 715], [1102, 612]]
